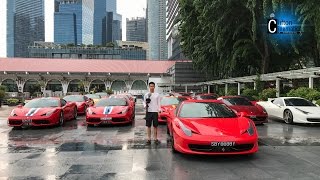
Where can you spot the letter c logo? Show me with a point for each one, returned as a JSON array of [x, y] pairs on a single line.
[[272, 26]]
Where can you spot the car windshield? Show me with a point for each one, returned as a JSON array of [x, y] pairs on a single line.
[[205, 110], [102, 94], [42, 103], [112, 102], [165, 101], [298, 102], [74, 98], [238, 101], [208, 97], [93, 96]]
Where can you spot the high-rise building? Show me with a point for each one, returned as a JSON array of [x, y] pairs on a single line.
[[25, 24], [112, 6], [104, 9], [113, 27], [157, 29], [173, 40], [136, 29], [74, 22]]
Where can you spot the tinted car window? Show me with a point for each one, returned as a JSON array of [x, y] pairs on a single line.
[[298, 102], [74, 98], [207, 97], [205, 110], [237, 101]]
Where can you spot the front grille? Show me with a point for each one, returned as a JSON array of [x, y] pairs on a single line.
[[94, 120], [41, 122], [313, 119], [258, 118], [16, 122], [209, 148], [118, 119]]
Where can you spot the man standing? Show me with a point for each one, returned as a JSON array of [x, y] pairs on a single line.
[[151, 102]]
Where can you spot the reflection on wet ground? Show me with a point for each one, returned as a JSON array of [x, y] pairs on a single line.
[[119, 152]]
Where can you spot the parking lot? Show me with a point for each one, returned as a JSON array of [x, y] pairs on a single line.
[[119, 152]]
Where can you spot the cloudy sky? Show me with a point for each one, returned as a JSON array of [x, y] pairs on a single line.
[[127, 8]]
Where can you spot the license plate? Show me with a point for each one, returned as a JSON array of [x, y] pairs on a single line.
[[27, 122], [253, 116], [224, 144], [106, 119]]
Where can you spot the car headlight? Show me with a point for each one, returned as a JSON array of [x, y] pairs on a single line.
[[186, 131], [124, 111], [13, 113], [250, 129], [305, 112]]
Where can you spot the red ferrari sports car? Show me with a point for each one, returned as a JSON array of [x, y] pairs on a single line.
[[43, 112], [210, 127], [168, 103], [81, 101], [110, 111], [240, 104]]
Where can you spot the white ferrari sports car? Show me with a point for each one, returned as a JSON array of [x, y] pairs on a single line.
[[292, 110]]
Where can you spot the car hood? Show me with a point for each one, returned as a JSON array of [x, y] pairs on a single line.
[[109, 109], [32, 111], [217, 126], [250, 110]]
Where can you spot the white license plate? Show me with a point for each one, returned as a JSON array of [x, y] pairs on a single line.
[[224, 144], [253, 116], [106, 119]]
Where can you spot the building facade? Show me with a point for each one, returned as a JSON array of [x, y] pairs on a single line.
[[136, 29], [113, 27], [172, 34], [55, 51], [25, 24], [75, 19], [156, 22], [134, 45]]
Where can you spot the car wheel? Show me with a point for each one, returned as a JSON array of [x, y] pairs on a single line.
[[61, 119], [90, 125], [172, 144], [288, 117], [75, 113]]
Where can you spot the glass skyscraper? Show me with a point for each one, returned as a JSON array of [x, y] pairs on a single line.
[[106, 30], [25, 24], [136, 29], [156, 18], [74, 22]]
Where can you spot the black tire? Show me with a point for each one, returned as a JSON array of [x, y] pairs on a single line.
[[61, 119], [172, 144], [75, 113], [168, 131], [90, 125], [287, 116]]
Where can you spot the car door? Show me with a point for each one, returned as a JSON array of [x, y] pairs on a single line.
[[278, 108]]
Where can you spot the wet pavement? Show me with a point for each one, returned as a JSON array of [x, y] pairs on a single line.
[[118, 152]]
